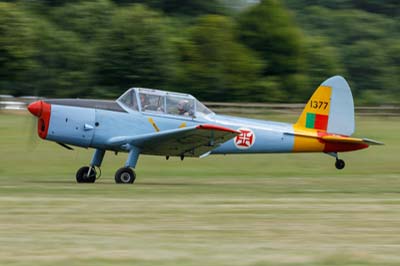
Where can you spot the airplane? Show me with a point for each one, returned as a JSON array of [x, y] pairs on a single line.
[[156, 122]]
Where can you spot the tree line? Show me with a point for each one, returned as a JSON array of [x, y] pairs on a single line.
[[270, 51]]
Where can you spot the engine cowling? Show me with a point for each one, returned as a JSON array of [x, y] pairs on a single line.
[[42, 111]]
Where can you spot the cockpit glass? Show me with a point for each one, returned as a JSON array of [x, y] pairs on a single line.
[[163, 102], [129, 99], [179, 105], [151, 102]]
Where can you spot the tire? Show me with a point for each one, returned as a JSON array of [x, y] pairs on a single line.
[[125, 175], [340, 164], [81, 175]]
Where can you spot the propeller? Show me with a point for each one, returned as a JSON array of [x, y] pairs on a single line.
[[32, 123], [31, 129]]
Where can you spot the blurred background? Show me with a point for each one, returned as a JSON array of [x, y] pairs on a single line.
[[261, 210], [217, 50]]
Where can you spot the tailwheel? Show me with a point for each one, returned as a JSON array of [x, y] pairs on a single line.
[[125, 175], [339, 164], [86, 175]]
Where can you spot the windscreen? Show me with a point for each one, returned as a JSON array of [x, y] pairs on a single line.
[[129, 99], [202, 109]]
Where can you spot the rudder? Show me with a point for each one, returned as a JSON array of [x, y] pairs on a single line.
[[330, 108]]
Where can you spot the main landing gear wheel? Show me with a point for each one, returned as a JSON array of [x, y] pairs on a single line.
[[125, 175], [339, 164], [82, 175]]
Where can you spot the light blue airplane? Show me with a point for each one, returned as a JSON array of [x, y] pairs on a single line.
[[148, 121]]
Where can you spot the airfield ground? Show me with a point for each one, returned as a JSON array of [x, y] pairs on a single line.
[[224, 210]]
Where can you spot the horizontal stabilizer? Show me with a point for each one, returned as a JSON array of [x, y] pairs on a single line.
[[372, 142], [341, 139], [336, 138]]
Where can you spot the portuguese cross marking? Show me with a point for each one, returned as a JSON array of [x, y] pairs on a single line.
[[246, 139]]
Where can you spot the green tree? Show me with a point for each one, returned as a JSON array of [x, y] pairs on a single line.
[[62, 62], [368, 66], [386, 7], [269, 29], [344, 27], [365, 43], [323, 60], [215, 66], [134, 51], [15, 49], [393, 50], [86, 18], [181, 7], [53, 3]]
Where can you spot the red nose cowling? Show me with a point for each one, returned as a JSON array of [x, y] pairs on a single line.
[[42, 110], [36, 108]]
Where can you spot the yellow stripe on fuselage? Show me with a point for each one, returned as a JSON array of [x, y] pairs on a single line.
[[309, 143], [154, 124]]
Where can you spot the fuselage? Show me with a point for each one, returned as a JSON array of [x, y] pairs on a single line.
[[91, 123], [91, 127]]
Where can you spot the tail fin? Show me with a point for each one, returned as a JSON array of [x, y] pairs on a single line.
[[330, 108]]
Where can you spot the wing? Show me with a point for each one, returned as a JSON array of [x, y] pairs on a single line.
[[190, 141]]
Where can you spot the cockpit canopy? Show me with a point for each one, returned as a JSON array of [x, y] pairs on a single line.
[[163, 102]]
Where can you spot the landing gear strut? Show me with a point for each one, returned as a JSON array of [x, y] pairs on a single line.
[[124, 175]]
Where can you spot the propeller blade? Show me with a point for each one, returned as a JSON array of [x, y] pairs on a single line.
[[30, 129]]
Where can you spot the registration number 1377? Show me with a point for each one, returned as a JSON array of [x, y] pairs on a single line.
[[315, 104]]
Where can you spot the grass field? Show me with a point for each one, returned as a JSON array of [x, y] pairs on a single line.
[[224, 210]]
